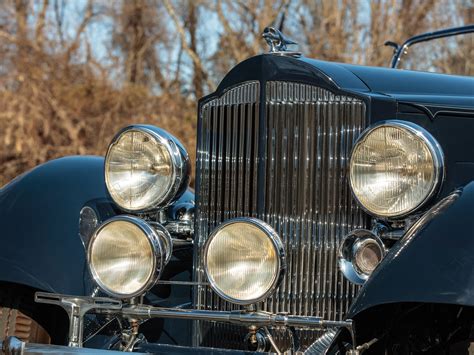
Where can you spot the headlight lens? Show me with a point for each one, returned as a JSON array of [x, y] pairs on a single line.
[[395, 168], [244, 260], [125, 256], [145, 167]]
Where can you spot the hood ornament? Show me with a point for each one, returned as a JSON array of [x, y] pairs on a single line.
[[278, 42]]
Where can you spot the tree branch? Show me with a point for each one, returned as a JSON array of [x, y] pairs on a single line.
[[182, 35]]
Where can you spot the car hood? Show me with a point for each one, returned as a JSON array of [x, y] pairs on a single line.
[[403, 85]]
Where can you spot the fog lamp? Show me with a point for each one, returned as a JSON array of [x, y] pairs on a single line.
[[244, 260], [126, 256], [359, 254], [145, 168]]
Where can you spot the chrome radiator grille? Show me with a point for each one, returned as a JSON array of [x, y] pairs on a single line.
[[287, 165]]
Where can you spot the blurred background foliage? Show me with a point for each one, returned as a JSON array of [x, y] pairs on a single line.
[[73, 72]]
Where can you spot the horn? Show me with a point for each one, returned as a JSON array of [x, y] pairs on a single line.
[[360, 252]]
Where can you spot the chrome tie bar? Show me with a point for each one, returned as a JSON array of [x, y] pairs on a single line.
[[76, 307]]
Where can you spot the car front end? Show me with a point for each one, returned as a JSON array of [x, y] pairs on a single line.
[[309, 175]]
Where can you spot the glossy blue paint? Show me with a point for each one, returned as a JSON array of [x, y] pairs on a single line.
[[455, 90], [433, 263], [40, 246], [402, 85], [39, 223]]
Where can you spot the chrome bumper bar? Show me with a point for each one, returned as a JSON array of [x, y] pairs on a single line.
[[14, 346], [77, 307], [256, 318]]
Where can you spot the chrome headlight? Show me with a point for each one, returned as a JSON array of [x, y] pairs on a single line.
[[126, 256], [244, 260], [395, 168], [145, 168]]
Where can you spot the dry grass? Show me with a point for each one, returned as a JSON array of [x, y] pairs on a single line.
[[57, 98]]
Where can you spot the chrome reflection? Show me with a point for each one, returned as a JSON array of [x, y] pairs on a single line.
[[145, 168], [126, 256], [244, 260], [392, 177], [88, 222], [321, 345], [359, 255], [295, 180], [166, 239]]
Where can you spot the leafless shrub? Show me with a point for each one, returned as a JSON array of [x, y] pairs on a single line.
[[60, 96]]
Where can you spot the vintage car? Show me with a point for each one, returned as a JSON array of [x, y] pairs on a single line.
[[333, 213]]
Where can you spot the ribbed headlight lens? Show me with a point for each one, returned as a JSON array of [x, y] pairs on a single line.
[[125, 256], [395, 168], [244, 260], [145, 167]]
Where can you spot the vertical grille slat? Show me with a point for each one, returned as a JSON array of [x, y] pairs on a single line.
[[308, 133]]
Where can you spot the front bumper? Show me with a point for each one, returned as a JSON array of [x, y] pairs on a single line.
[[76, 308], [14, 346]]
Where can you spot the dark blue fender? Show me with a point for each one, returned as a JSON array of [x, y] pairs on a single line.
[[39, 218], [433, 263]]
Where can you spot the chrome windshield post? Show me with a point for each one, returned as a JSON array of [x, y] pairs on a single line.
[[400, 50]]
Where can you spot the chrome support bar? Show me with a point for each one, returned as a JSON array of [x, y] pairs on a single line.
[[14, 346], [235, 317], [76, 308]]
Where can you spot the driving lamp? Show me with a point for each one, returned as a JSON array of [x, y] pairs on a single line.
[[126, 256], [244, 260], [395, 168], [145, 168]]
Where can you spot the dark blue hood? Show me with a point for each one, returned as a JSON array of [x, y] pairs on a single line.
[[404, 85]]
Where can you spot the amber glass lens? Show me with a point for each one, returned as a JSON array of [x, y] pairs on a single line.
[[392, 171], [242, 262], [121, 258], [138, 171]]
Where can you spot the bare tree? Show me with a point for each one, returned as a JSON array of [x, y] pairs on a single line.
[[62, 91]]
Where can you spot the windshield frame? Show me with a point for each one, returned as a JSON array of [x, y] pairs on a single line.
[[399, 51]]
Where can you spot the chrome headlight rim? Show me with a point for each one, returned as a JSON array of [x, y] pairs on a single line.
[[437, 155], [158, 250], [279, 249], [180, 165]]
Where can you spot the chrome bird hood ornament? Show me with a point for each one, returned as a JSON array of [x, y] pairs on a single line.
[[278, 42]]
